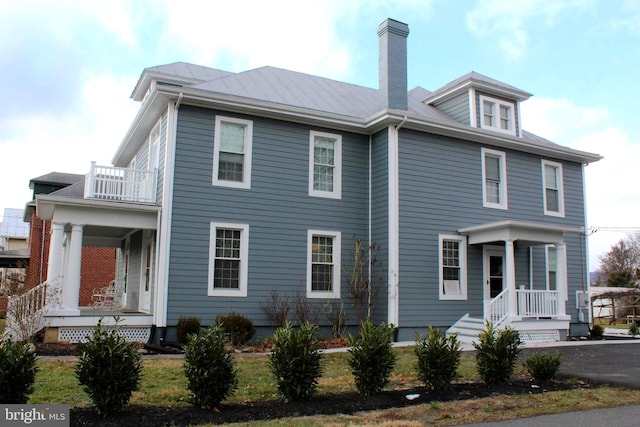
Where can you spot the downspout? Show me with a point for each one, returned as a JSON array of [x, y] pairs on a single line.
[[393, 315], [44, 234]]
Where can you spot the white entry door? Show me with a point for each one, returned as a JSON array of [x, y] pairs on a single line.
[[493, 271], [146, 270]]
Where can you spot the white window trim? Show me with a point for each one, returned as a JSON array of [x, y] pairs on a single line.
[[546, 266], [154, 146], [463, 267], [498, 103], [504, 203], [337, 175], [244, 260], [337, 257], [246, 167], [560, 179]]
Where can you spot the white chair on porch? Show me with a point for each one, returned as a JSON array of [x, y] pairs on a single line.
[[108, 297]]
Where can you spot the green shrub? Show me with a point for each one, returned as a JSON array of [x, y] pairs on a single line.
[[239, 328], [634, 329], [109, 369], [187, 326], [209, 368], [596, 332], [295, 361], [438, 359], [496, 354], [17, 371], [543, 366], [371, 357]]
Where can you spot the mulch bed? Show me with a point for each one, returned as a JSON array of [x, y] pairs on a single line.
[[321, 404]]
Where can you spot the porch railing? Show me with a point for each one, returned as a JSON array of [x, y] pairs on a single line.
[[26, 312], [497, 309], [534, 303], [123, 184]]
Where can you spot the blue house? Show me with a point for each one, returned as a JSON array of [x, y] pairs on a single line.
[[230, 189]]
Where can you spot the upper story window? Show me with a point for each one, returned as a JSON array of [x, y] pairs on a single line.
[[553, 192], [453, 267], [498, 115], [494, 179], [228, 259], [325, 165], [232, 152], [323, 264]]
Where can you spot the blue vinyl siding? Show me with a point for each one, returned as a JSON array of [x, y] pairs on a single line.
[[441, 192], [457, 108], [380, 215], [277, 209]]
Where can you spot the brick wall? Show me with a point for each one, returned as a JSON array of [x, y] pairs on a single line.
[[98, 264]]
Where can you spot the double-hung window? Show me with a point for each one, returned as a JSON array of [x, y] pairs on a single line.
[[228, 259], [323, 264], [494, 179], [453, 267], [232, 152], [552, 268], [325, 165], [553, 193], [497, 115]]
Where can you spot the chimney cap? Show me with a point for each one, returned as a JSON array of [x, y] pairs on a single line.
[[393, 26]]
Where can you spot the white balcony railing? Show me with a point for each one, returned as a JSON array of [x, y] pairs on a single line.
[[532, 303], [122, 184]]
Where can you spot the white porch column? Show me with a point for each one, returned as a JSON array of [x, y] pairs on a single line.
[[561, 280], [71, 285], [56, 251], [510, 276]]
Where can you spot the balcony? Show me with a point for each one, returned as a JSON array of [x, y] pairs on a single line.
[[121, 184]]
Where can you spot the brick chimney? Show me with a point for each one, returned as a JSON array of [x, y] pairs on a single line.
[[393, 63]]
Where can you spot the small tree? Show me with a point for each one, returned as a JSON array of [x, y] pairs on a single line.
[[496, 353], [371, 357], [109, 369], [17, 371], [620, 266], [209, 368], [438, 359], [276, 309], [296, 361], [363, 280]]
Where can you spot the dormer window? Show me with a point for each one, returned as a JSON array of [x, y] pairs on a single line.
[[497, 115]]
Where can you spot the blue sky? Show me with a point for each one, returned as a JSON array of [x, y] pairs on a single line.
[[68, 67]]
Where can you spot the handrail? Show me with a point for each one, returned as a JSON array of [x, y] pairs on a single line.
[[497, 309], [123, 184], [26, 312], [537, 303]]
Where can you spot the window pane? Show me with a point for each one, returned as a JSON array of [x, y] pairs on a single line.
[[492, 165], [230, 167], [323, 178], [322, 263], [227, 274], [487, 109], [323, 163], [492, 192], [504, 117], [321, 277], [232, 138], [553, 203], [227, 263], [550, 177], [450, 253]]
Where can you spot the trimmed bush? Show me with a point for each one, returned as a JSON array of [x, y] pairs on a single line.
[[596, 332], [496, 354], [296, 361], [239, 328], [17, 371], [371, 357], [634, 329], [187, 326], [109, 369], [543, 366], [438, 359], [209, 368]]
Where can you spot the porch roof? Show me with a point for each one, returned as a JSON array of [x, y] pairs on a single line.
[[528, 233]]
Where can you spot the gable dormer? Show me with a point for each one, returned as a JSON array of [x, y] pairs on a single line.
[[481, 102]]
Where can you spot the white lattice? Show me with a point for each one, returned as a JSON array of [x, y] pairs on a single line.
[[539, 336], [76, 335]]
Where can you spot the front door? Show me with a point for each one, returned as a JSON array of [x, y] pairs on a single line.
[[493, 271]]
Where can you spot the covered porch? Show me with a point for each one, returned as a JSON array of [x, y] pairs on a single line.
[[130, 229], [535, 305]]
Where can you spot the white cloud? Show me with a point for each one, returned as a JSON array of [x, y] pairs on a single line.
[[613, 194], [506, 21]]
